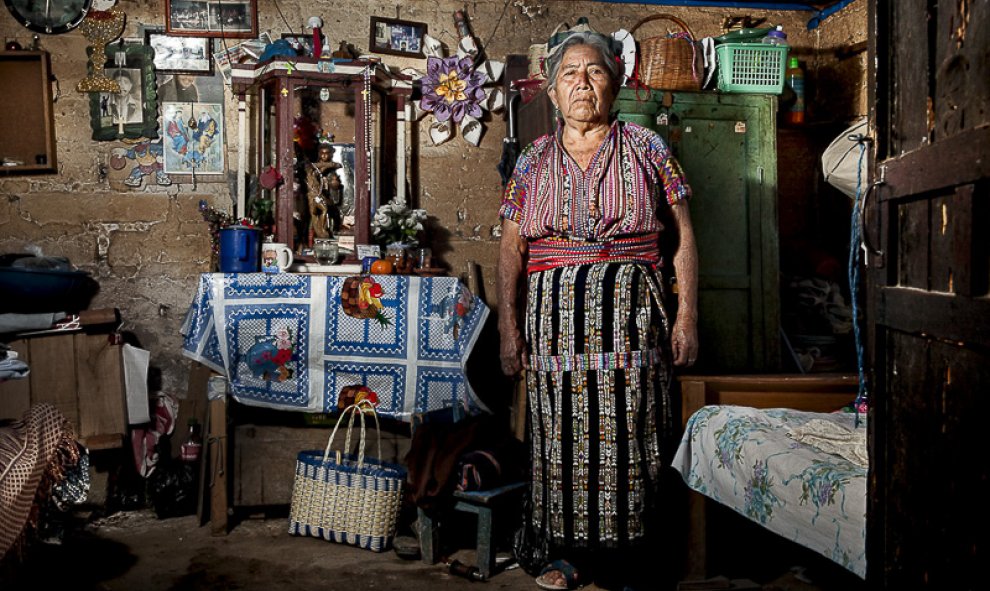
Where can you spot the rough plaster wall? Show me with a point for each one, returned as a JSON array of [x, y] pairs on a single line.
[[147, 246], [840, 92]]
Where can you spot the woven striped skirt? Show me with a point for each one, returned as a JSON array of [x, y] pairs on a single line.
[[598, 401]]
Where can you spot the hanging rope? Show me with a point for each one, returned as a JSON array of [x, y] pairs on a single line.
[[855, 244]]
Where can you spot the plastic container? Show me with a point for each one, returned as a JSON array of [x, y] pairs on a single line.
[[240, 250], [751, 67], [795, 81], [776, 37]]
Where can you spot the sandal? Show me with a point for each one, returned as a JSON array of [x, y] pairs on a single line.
[[571, 578]]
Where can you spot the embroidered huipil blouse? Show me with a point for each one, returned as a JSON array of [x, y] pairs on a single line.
[[630, 176]]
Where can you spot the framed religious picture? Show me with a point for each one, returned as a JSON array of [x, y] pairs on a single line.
[[397, 37], [193, 138], [212, 18], [133, 112], [180, 55]]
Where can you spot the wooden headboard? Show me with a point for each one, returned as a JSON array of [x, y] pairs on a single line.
[[814, 393]]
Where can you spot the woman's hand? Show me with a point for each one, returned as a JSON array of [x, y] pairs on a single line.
[[512, 352], [684, 340], [511, 262], [684, 337]]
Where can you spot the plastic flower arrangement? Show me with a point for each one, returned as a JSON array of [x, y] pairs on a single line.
[[397, 223], [457, 90], [452, 88]]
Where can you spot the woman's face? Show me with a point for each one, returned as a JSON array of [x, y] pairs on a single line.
[[583, 90]]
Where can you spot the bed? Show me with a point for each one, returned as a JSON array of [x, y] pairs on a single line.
[[756, 444]]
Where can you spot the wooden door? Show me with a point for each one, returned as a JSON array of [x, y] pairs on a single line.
[[928, 313]]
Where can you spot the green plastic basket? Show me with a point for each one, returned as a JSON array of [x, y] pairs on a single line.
[[751, 67]]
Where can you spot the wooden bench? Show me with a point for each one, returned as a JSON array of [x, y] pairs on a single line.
[[482, 503]]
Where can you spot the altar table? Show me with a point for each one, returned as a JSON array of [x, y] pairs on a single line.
[[296, 342]]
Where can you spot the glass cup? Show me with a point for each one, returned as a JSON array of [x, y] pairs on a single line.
[[325, 250], [424, 258]]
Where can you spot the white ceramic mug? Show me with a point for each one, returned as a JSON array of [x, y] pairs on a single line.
[[275, 257]]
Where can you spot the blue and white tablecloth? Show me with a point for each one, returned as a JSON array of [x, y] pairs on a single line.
[[290, 342]]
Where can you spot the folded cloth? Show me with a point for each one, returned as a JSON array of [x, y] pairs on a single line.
[[144, 439], [12, 368], [833, 438]]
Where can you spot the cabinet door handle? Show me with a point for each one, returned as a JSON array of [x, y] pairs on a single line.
[[759, 170]]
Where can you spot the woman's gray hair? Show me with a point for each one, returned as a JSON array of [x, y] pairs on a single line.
[[603, 44]]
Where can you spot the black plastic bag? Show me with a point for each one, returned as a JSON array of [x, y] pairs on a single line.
[[529, 545], [173, 488]]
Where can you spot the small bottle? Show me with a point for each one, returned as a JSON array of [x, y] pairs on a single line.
[[794, 77], [776, 37], [192, 447]]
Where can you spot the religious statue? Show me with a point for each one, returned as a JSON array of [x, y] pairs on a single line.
[[325, 192]]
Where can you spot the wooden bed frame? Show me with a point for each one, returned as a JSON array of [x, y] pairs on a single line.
[[813, 393]]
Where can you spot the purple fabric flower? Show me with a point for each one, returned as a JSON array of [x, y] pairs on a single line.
[[452, 89]]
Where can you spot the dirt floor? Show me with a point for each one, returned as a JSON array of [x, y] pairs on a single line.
[[132, 551], [136, 551]]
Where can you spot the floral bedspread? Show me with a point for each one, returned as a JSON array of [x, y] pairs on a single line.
[[745, 459]]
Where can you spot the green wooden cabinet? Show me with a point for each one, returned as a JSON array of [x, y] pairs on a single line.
[[727, 147]]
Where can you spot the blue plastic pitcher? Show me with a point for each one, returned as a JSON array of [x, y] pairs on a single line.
[[240, 249]]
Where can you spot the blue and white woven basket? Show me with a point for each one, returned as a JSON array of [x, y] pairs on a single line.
[[347, 498]]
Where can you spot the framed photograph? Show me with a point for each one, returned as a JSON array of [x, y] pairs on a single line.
[[189, 88], [132, 113], [193, 138], [180, 55], [397, 37], [212, 18], [303, 44]]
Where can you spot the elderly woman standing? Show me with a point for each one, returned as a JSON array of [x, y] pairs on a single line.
[[581, 222]]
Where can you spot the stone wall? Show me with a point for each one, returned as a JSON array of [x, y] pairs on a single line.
[[148, 245]]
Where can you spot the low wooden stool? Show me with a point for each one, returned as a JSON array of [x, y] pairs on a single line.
[[482, 503]]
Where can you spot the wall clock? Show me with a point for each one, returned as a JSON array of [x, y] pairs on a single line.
[[49, 16]]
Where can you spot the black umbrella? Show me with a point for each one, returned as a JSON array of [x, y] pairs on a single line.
[[510, 144]]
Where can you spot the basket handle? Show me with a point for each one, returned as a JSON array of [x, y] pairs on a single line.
[[352, 410], [669, 17]]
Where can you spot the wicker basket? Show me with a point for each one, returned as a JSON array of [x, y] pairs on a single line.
[[667, 63], [345, 498]]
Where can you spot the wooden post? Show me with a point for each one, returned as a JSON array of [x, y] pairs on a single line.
[[216, 472]]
